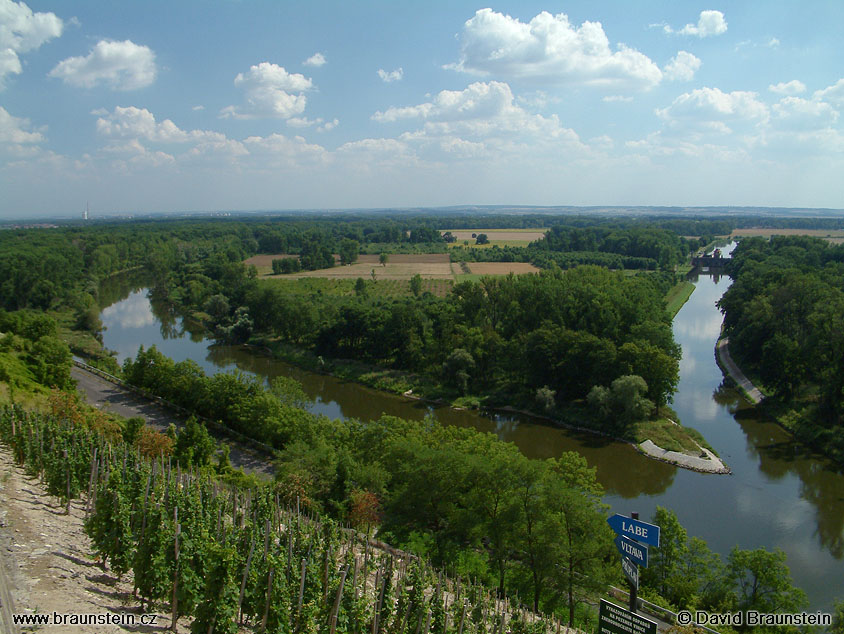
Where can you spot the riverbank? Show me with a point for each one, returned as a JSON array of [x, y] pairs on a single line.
[[677, 297], [728, 366], [684, 449], [795, 417]]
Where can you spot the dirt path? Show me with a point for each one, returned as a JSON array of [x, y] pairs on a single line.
[[45, 558], [114, 398]]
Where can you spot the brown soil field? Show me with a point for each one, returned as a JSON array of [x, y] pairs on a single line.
[[266, 260], [767, 233], [494, 235], [502, 268], [391, 271], [413, 258]]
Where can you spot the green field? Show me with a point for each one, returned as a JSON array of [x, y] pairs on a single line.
[[376, 288]]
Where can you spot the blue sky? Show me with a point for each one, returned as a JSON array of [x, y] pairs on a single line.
[[237, 105]]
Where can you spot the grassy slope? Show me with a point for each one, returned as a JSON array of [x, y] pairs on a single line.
[[678, 296]]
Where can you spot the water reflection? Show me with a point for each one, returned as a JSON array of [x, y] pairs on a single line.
[[134, 312]]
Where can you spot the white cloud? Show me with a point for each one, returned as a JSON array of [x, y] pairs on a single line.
[[319, 122], [121, 65], [482, 108], [284, 151], [317, 60], [712, 109], [10, 64], [328, 125], [682, 67], [22, 31], [483, 120], [793, 87], [13, 130], [140, 123], [393, 75], [374, 155], [198, 108], [617, 99], [794, 113], [773, 43], [833, 94], [549, 48], [709, 23], [271, 92]]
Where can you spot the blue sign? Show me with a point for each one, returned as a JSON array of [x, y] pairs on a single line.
[[637, 553], [635, 529], [631, 571]]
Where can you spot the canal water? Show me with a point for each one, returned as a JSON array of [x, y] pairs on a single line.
[[778, 496]]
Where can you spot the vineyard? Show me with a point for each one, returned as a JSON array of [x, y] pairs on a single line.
[[225, 558], [346, 286]]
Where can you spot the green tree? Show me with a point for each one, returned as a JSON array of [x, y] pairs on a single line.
[[582, 543], [762, 581], [482, 239], [665, 561], [50, 360], [838, 618], [457, 369], [360, 287], [217, 306], [349, 250], [416, 285], [382, 259], [194, 445]]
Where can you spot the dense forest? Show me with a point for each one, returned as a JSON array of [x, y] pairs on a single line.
[[784, 314]]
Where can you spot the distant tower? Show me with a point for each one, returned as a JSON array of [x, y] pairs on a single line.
[[85, 215]]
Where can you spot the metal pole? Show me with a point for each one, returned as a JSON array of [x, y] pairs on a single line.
[[633, 590]]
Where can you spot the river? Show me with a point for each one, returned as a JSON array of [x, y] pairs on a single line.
[[777, 497]]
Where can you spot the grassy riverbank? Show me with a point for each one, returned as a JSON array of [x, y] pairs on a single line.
[[678, 296], [662, 430]]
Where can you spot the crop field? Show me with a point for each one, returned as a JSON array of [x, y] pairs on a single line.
[[398, 267], [264, 263], [501, 268], [344, 286], [496, 235], [836, 236], [499, 237], [391, 279]]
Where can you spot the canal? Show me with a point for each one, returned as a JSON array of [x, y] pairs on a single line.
[[777, 497]]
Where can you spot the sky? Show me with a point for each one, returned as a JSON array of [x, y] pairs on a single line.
[[162, 106]]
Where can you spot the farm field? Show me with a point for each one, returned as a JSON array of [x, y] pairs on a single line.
[[835, 236], [264, 263], [501, 268], [346, 286], [398, 267], [500, 237], [391, 279]]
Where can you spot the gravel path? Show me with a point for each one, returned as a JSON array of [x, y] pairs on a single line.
[[46, 558], [113, 398], [751, 391], [710, 464]]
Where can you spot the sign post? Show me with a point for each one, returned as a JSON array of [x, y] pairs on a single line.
[[634, 551], [632, 540], [613, 619], [631, 571]]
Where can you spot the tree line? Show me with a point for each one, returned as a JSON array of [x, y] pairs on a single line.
[[784, 315]]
